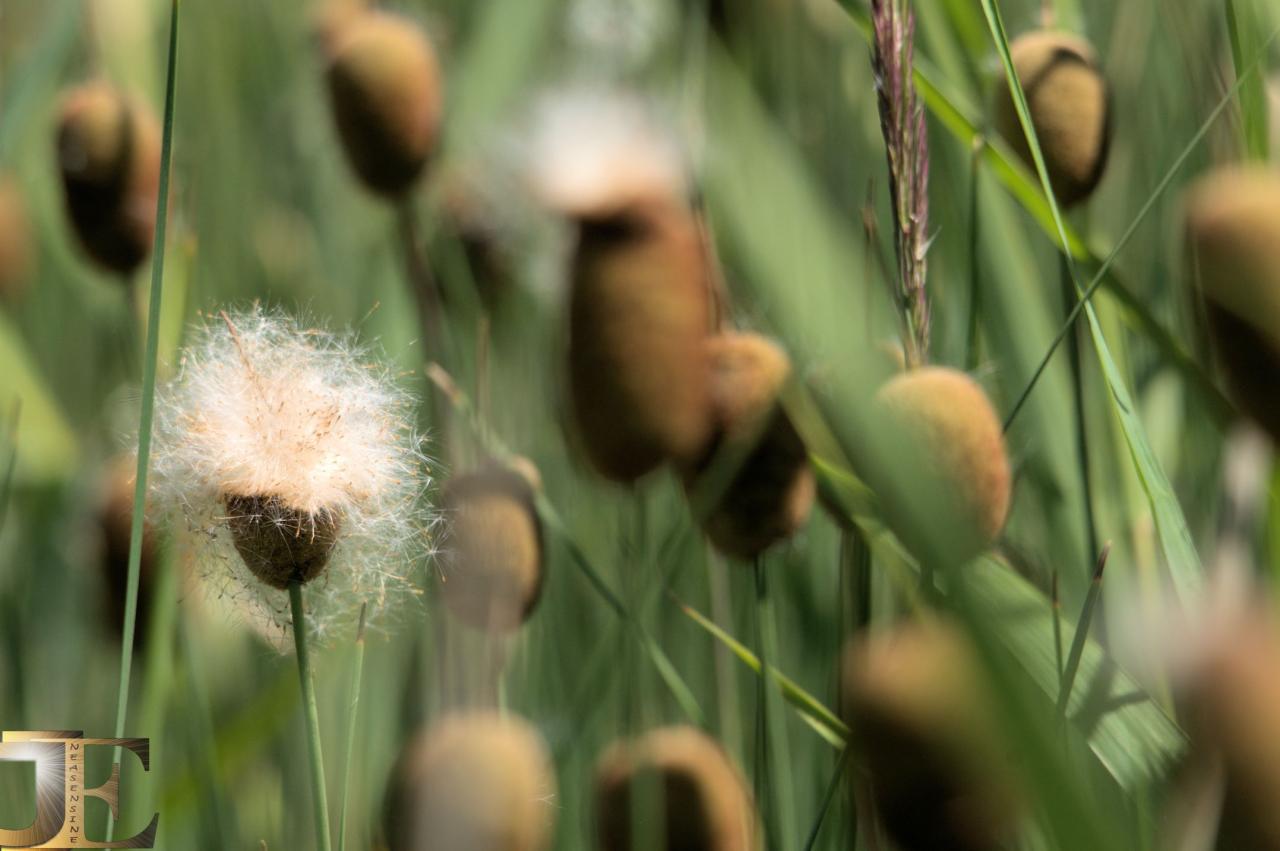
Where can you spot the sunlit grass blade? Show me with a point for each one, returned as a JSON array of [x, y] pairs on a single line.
[[148, 386], [1082, 631], [823, 721], [1244, 26], [1182, 560]]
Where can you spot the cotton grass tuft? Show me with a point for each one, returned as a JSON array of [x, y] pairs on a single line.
[[292, 454]]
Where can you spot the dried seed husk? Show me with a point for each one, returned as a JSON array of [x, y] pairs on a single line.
[[639, 313], [109, 157], [705, 804], [278, 543], [772, 493], [472, 782], [944, 431], [923, 732], [386, 90], [1070, 107], [494, 552], [17, 242], [1233, 234]]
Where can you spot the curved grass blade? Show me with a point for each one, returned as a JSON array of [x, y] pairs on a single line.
[[1182, 560]]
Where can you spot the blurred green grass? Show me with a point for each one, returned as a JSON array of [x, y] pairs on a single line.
[[264, 207]]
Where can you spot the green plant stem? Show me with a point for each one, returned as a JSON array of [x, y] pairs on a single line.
[[774, 722], [148, 394], [1082, 429], [1082, 632], [832, 785], [320, 800], [353, 706]]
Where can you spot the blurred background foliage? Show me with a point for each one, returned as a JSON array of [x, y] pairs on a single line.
[[778, 111]]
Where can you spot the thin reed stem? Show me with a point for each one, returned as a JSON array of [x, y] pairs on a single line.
[[353, 707], [320, 800], [778, 762], [1069, 296]]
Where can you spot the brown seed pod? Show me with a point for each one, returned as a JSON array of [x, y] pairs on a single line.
[[17, 242], [115, 519], [386, 91], [705, 804], [943, 425], [109, 157], [278, 543], [639, 314], [1070, 108], [494, 553], [771, 494], [921, 722], [472, 782], [1233, 230]]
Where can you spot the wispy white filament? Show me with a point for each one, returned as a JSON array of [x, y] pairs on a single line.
[[265, 407]]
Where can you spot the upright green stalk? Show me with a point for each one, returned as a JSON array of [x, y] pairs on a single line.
[[148, 393], [353, 707], [320, 800], [775, 731]]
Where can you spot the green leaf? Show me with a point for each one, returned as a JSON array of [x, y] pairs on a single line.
[[1244, 25]]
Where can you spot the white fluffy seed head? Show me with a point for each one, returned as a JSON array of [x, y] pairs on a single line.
[[265, 408]]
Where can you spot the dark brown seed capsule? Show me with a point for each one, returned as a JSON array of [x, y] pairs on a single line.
[[1233, 235], [387, 95], [493, 553], [474, 782], [1070, 108], [703, 801], [280, 544], [109, 158], [772, 492], [943, 423], [17, 246], [639, 314], [924, 732]]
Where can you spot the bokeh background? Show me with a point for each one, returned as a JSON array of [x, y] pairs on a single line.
[[777, 112]]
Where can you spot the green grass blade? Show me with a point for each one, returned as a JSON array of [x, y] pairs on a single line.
[[353, 707], [148, 377], [1082, 631], [1171, 527], [823, 721], [1244, 28]]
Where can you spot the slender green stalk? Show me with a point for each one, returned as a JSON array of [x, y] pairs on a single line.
[[975, 290], [353, 706], [320, 799], [148, 392], [775, 731], [832, 785], [1082, 631], [1076, 359]]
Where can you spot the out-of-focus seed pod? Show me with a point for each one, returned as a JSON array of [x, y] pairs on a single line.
[[474, 225], [281, 544], [770, 496], [1233, 234], [472, 782], [945, 431], [704, 803], [917, 707], [17, 245], [386, 90], [494, 552], [109, 157], [639, 315], [1070, 108], [115, 519]]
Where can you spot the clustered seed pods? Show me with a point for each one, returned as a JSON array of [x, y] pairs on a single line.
[[472, 782], [771, 493], [639, 315], [1069, 105], [945, 431], [704, 802], [17, 245], [493, 557], [1233, 234], [109, 157], [923, 729], [387, 95]]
